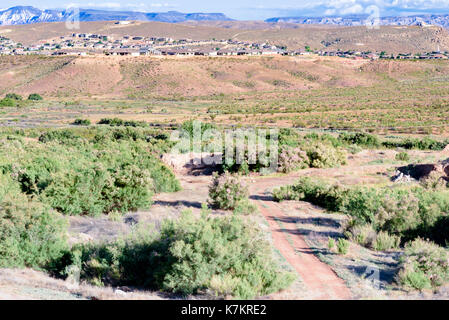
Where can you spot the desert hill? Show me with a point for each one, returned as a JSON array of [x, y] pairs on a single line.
[[144, 77], [392, 39]]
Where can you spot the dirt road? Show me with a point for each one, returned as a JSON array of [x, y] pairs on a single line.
[[318, 277]]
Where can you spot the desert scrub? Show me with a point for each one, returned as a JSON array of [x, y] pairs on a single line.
[[217, 255], [117, 122], [385, 241], [317, 192], [35, 97], [342, 246], [227, 191], [330, 243], [361, 139], [292, 159], [326, 156], [8, 102], [13, 96], [81, 122], [426, 143], [87, 171], [363, 235], [402, 156], [424, 265], [434, 181], [404, 213], [31, 234]]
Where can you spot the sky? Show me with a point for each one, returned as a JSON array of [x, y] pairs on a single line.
[[253, 9]]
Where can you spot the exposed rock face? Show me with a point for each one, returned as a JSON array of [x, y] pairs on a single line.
[[191, 162], [422, 171]]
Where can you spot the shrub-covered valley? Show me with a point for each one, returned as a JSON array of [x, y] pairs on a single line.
[[94, 205]]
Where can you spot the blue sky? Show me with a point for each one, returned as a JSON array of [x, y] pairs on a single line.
[[253, 9]]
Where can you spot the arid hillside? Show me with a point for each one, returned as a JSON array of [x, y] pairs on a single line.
[[393, 39], [144, 77]]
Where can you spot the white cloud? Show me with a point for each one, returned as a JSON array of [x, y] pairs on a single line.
[[352, 10], [107, 5]]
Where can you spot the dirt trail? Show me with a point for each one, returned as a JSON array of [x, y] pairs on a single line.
[[317, 276]]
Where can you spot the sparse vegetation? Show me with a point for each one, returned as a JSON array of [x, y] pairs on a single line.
[[402, 156], [424, 265]]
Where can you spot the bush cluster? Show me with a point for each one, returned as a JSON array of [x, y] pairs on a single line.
[[326, 156], [31, 234], [81, 122], [117, 122], [292, 159], [227, 191], [424, 265], [360, 138], [403, 213], [425, 143], [220, 255], [76, 172]]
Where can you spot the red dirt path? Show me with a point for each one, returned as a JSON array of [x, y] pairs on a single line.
[[318, 277]]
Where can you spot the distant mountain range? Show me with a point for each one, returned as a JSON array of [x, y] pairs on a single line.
[[27, 15], [359, 20]]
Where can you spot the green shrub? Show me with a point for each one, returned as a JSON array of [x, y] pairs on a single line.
[[81, 122], [292, 159], [116, 122], [423, 265], [245, 207], [434, 181], [329, 197], [342, 246], [13, 96], [189, 126], [385, 241], [35, 97], [402, 156], [398, 212], [425, 143], [325, 156], [313, 138], [226, 191], [96, 190], [76, 175], [331, 243], [8, 102], [60, 135], [362, 204], [224, 255], [31, 235], [363, 235], [360, 138]]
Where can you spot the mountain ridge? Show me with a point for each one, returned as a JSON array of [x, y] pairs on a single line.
[[441, 20], [28, 14]]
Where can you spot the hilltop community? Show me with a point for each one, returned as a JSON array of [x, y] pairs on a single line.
[[83, 44]]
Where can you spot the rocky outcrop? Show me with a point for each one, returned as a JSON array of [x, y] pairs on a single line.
[[422, 171]]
